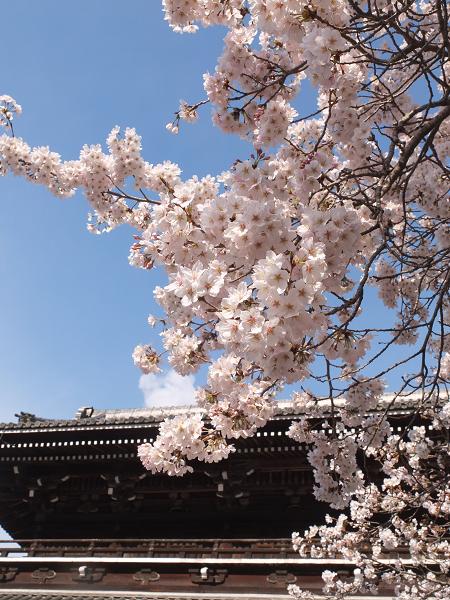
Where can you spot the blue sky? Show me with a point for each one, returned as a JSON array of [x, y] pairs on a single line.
[[72, 309]]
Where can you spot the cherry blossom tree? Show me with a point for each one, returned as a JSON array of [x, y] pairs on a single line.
[[270, 263]]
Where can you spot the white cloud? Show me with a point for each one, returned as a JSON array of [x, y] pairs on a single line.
[[167, 389]]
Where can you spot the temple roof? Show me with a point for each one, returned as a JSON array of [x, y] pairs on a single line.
[[87, 417]]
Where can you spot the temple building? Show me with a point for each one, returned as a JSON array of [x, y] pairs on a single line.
[[89, 522]]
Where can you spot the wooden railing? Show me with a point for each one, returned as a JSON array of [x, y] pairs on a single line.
[[152, 548]]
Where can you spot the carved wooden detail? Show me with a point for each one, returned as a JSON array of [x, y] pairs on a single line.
[[8, 574], [208, 575], [281, 577], [43, 575], [88, 574], [146, 576]]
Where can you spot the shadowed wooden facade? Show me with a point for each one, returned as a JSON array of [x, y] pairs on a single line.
[[92, 519]]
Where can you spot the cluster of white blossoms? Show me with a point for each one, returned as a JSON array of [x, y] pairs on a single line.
[[269, 264], [337, 475], [181, 440], [146, 359], [408, 516], [8, 108]]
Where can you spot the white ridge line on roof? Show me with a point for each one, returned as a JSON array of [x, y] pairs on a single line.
[[160, 413]]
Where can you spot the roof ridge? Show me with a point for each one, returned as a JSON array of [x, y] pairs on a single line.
[[91, 417]]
